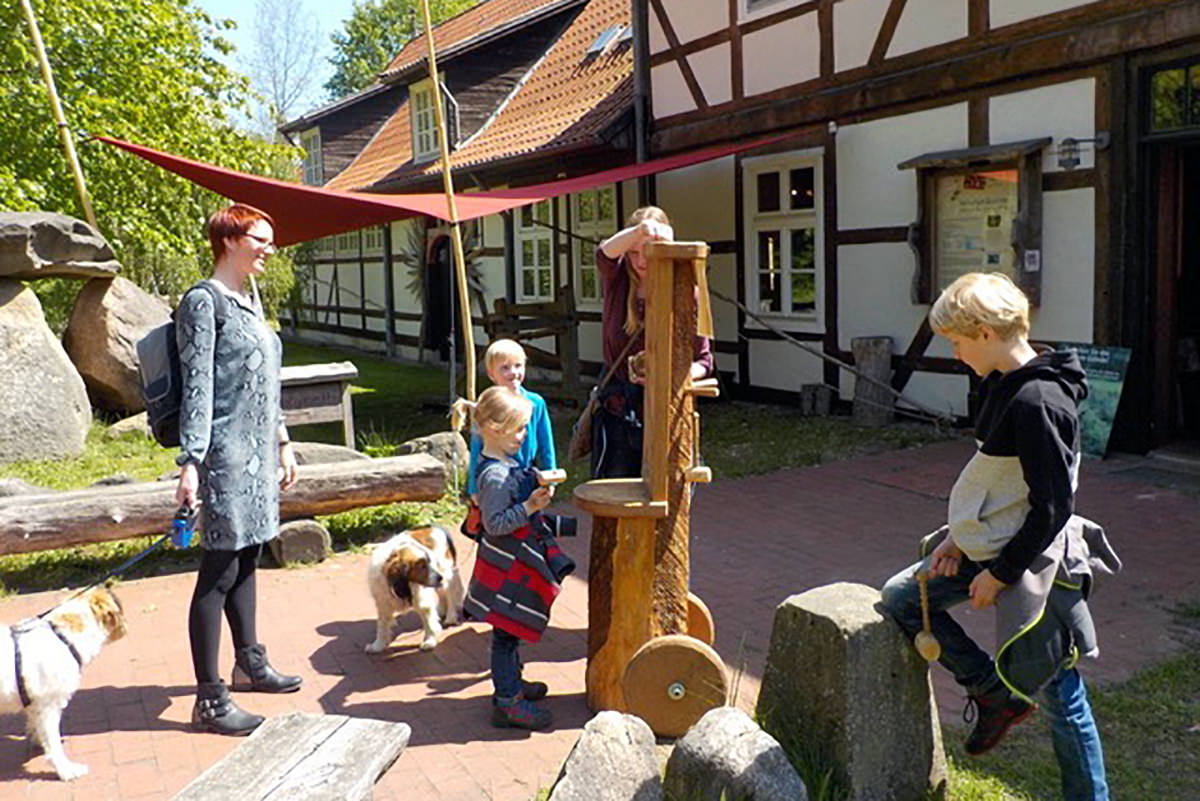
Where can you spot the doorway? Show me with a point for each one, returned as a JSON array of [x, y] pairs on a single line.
[[440, 307], [1176, 297]]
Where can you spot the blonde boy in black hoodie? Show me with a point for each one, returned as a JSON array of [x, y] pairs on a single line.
[[1008, 524]]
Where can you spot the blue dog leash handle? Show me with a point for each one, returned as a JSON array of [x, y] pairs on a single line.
[[183, 526]]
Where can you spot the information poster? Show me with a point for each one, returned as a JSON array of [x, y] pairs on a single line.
[[1105, 368], [974, 217]]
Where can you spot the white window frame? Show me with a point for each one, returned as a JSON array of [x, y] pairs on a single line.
[[785, 220], [314, 172], [348, 244], [540, 239], [424, 120], [585, 251], [753, 9], [372, 239]]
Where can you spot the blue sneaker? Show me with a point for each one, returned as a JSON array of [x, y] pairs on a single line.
[[520, 714]]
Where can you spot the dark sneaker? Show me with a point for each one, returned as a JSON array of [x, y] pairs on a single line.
[[521, 715], [994, 713], [534, 690]]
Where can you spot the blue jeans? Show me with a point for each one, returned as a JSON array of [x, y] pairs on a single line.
[[1064, 700], [1076, 740], [506, 665]]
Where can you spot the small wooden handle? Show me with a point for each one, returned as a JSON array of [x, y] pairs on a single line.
[[705, 388]]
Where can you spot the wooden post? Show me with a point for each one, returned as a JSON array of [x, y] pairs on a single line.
[[873, 404], [638, 574], [64, 130], [460, 265]]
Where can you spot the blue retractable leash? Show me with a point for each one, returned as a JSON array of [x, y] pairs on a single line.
[[183, 528]]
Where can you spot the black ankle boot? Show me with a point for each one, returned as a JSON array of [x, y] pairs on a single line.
[[252, 671], [216, 712]]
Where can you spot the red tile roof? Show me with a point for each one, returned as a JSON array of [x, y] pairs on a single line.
[[565, 102], [474, 22]]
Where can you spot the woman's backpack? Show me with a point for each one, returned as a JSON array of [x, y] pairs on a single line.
[[162, 375]]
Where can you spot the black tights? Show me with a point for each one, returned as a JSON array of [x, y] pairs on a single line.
[[226, 581]]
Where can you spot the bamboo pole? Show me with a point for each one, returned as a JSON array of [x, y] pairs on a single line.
[[64, 131], [460, 267]]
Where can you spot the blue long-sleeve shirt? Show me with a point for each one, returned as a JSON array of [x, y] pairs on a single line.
[[536, 451]]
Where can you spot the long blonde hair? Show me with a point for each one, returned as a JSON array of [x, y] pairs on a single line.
[[632, 319], [499, 409]]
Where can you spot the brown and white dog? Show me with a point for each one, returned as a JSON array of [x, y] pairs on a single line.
[[415, 569], [52, 652]]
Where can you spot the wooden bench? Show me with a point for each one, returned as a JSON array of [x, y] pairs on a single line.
[[319, 393], [302, 757]]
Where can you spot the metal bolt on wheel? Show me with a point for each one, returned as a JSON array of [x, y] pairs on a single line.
[[671, 681]]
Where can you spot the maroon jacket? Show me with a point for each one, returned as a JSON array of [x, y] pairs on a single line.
[[614, 278]]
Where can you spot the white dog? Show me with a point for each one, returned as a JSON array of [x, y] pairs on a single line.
[[52, 652], [415, 569]]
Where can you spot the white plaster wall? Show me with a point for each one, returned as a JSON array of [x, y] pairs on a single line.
[[1068, 267], [1006, 12], [871, 191], [781, 365], [855, 27], [722, 277], [1059, 110], [926, 23], [874, 294], [939, 392], [375, 293], [349, 290], [492, 270], [692, 19], [668, 92], [781, 55], [712, 70], [699, 200], [590, 345], [658, 39]]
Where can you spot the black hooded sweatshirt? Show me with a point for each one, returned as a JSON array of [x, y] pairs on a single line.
[[1032, 413]]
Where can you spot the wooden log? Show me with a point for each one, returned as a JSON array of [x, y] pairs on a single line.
[[99, 514], [303, 757], [623, 557]]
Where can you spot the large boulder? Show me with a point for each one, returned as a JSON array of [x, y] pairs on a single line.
[[40, 244], [300, 541], [844, 686], [109, 317], [727, 757], [613, 760], [448, 447], [46, 411]]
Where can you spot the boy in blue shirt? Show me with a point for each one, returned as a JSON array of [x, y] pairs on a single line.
[[505, 365]]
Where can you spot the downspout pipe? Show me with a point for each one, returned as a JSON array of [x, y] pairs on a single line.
[[641, 94]]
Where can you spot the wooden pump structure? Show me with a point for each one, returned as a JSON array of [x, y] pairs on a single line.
[[641, 658]]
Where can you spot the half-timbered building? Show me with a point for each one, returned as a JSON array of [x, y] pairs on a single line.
[[536, 90], [1057, 140]]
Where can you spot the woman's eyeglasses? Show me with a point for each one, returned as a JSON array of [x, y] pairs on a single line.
[[262, 240]]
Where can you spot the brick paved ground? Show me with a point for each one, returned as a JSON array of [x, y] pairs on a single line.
[[755, 541]]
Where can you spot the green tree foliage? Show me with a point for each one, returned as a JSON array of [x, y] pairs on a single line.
[[376, 31], [145, 71]]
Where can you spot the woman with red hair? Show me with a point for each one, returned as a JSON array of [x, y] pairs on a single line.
[[234, 458]]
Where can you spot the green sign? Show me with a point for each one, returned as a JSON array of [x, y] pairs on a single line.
[[1105, 367]]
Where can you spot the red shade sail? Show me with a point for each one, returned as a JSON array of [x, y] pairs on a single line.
[[303, 213]]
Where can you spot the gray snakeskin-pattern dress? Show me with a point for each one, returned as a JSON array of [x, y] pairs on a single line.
[[229, 417]]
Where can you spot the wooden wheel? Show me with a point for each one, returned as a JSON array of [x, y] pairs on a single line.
[[671, 681], [700, 621]]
